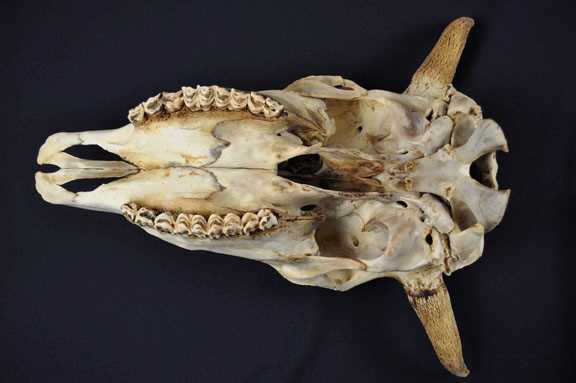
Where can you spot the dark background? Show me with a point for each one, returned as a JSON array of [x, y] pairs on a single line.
[[85, 297]]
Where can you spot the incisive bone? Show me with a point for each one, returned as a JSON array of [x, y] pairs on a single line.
[[329, 183]]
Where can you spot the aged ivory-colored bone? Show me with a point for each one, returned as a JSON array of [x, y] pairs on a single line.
[[329, 183]]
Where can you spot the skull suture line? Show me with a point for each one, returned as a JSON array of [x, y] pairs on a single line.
[[330, 184]]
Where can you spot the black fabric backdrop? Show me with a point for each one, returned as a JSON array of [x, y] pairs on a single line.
[[85, 297]]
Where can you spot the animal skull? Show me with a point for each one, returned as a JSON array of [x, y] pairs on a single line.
[[329, 183]]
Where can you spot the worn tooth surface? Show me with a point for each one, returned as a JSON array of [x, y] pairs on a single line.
[[198, 226], [173, 101], [272, 108], [182, 225], [164, 222], [267, 219], [189, 95], [153, 105], [238, 100], [249, 223], [205, 95], [145, 217], [206, 98], [256, 103], [221, 97], [137, 115], [129, 211], [232, 225], [215, 223]]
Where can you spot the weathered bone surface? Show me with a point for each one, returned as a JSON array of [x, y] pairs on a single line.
[[329, 183]]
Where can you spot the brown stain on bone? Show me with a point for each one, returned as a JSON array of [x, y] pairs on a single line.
[[189, 159]]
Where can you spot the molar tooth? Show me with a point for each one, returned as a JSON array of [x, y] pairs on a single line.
[[238, 100], [145, 217], [267, 219], [153, 105], [182, 225], [164, 222], [198, 226], [232, 225], [136, 115], [249, 223], [256, 103], [272, 108], [205, 96], [221, 97], [129, 211], [173, 101], [190, 98], [215, 223]]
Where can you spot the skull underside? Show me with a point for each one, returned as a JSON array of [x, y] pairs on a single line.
[[329, 183]]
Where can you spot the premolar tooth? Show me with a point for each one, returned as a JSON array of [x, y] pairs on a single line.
[[182, 225], [129, 211], [198, 226], [136, 115], [256, 103], [164, 222], [232, 225], [272, 108], [145, 217], [215, 223], [267, 219], [153, 105], [249, 223], [173, 102]]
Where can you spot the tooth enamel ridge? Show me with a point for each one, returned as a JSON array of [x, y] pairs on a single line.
[[164, 222], [145, 217], [196, 225], [205, 99]]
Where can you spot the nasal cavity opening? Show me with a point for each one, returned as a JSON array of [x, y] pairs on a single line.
[[48, 168], [92, 152], [86, 185]]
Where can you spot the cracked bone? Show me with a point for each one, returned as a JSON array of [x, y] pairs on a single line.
[[330, 184]]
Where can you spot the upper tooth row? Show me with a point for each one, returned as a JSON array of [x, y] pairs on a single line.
[[205, 98], [197, 225]]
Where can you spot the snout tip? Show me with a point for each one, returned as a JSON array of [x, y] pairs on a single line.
[[50, 191], [55, 144]]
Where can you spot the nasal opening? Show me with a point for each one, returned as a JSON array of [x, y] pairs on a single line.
[[92, 152]]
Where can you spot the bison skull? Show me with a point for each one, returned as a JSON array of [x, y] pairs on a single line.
[[331, 184]]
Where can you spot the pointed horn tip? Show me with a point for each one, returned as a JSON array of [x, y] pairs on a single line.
[[433, 307], [464, 21], [461, 372], [437, 71]]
